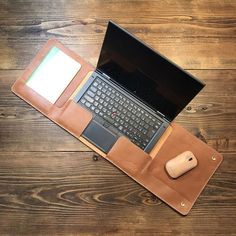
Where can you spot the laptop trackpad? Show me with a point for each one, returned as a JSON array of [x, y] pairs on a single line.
[[99, 136]]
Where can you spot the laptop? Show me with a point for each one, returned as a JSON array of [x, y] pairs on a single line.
[[134, 92]]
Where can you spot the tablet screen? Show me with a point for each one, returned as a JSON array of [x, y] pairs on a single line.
[[53, 75]]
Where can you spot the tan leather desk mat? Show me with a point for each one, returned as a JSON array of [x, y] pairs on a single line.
[[147, 170]]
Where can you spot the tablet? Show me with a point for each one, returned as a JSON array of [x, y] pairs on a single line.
[[53, 75]]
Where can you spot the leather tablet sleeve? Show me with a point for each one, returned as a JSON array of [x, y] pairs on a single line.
[[147, 169]]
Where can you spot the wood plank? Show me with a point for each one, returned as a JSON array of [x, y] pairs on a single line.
[[177, 29], [189, 53], [144, 11], [70, 193], [210, 116], [164, 27]]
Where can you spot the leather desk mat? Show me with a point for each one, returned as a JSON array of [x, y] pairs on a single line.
[[146, 169]]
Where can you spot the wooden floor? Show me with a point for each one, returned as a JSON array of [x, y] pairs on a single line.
[[50, 184]]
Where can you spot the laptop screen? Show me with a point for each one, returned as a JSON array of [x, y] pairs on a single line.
[[145, 73]]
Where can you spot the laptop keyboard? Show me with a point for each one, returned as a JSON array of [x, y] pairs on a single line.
[[121, 114]]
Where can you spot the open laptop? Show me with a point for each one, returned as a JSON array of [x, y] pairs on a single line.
[[134, 91]]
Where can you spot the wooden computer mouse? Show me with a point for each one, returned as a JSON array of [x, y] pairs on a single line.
[[181, 164]]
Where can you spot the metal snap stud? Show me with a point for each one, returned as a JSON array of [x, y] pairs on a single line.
[[213, 158]]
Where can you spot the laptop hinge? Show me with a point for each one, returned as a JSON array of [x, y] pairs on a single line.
[[161, 115], [102, 73], [108, 77]]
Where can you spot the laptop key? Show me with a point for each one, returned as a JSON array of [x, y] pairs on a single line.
[[151, 133], [87, 104], [107, 118], [93, 89], [98, 80], [83, 100], [89, 99], [120, 128], [113, 129], [91, 94], [106, 124]]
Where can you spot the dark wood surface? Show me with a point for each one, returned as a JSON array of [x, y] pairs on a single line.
[[50, 184]]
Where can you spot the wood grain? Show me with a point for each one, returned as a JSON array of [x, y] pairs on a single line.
[[177, 29], [50, 183], [69, 190], [186, 52]]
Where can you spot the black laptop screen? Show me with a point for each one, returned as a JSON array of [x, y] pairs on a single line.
[[146, 74]]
